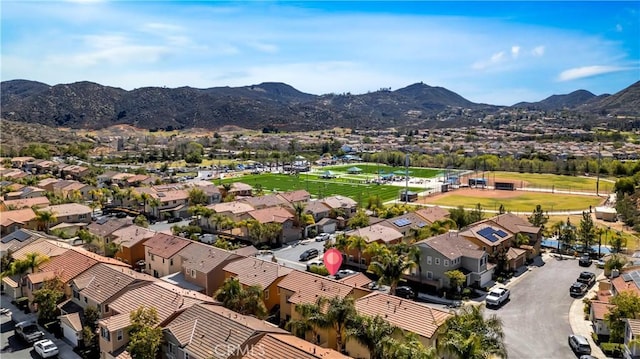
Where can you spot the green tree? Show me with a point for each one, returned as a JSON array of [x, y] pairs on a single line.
[[457, 279], [587, 230], [459, 215], [520, 239], [44, 219], [141, 221], [359, 220], [197, 197], [337, 313], [410, 347], [145, 336], [244, 300], [617, 242], [538, 218], [372, 333], [476, 214], [468, 335], [390, 267], [359, 244], [626, 305], [47, 299], [90, 324]]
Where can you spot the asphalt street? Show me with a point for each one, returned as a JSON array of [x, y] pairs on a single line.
[[289, 255], [536, 318]]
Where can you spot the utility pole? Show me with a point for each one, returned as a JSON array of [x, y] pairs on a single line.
[[406, 177], [598, 174]]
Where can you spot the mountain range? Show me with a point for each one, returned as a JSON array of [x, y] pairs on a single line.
[[271, 106]]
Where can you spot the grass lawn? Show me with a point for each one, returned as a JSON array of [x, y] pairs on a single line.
[[372, 169], [524, 202], [320, 187], [546, 180]]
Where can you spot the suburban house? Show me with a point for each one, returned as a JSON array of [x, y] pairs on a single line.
[[173, 203], [254, 271], [93, 288], [104, 227], [279, 215], [598, 309], [236, 210], [451, 251], [206, 331], [318, 209], [278, 346], [25, 192], [266, 201], [202, 265], [161, 254], [18, 239], [433, 214], [498, 242], [300, 287], [238, 189], [35, 281], [73, 171], [377, 233], [341, 206], [70, 213], [167, 299], [518, 225], [631, 339], [298, 196], [130, 240], [37, 202], [408, 224], [11, 221], [44, 246], [407, 315]]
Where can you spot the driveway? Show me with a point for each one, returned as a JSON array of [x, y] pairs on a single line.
[[289, 255], [536, 318]]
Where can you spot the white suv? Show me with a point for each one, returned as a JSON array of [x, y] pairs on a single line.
[[497, 296]]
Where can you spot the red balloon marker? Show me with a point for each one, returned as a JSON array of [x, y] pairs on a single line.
[[332, 260]]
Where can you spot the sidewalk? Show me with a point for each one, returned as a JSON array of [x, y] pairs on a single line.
[[583, 327], [17, 315]]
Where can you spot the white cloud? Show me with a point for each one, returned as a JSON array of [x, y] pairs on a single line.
[[263, 47], [157, 27], [587, 71], [515, 51], [538, 51]]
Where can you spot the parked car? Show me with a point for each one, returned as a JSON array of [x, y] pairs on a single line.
[[174, 220], [322, 237], [579, 344], [45, 348], [585, 260], [342, 273], [308, 254], [600, 263], [497, 297], [28, 331], [405, 292], [577, 289], [587, 278], [587, 357]]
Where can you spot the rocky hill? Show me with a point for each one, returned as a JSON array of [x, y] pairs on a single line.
[[271, 106]]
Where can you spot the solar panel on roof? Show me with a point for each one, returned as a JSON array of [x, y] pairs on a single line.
[[18, 235], [501, 233], [402, 222], [626, 277], [421, 224], [102, 220], [489, 234]]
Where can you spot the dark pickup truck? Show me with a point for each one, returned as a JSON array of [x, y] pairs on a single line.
[[29, 332]]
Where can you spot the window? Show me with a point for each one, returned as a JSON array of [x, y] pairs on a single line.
[[152, 257], [104, 333], [193, 273], [106, 308], [86, 300], [428, 259], [437, 262], [162, 260], [119, 335], [266, 294], [446, 262], [363, 261], [76, 294], [429, 275], [172, 348], [171, 261]]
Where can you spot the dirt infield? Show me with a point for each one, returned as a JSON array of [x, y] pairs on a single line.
[[472, 192]]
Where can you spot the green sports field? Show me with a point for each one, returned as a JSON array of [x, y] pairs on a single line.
[[372, 169], [520, 202], [548, 181], [318, 187]]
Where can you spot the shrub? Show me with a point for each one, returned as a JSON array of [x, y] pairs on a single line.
[[321, 270], [595, 338], [611, 349]]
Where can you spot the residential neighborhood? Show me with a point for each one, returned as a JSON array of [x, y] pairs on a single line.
[[219, 284]]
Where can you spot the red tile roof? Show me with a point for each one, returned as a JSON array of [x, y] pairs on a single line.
[[165, 245], [308, 287], [254, 271]]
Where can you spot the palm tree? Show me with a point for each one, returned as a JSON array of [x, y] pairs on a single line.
[[244, 300], [336, 313], [44, 219], [359, 244], [390, 267], [372, 333], [409, 347], [197, 196], [34, 260], [468, 335]]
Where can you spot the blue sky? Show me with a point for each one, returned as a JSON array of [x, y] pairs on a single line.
[[491, 52]]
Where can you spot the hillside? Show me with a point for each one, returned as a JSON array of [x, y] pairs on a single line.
[[272, 106]]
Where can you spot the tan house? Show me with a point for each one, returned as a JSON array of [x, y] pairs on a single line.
[[377, 233], [254, 271], [104, 227], [236, 210], [303, 287], [298, 196], [161, 254], [44, 246], [206, 331], [70, 213], [25, 192], [11, 221], [172, 204], [407, 315], [168, 300], [35, 281], [266, 201], [37, 202], [130, 240], [203, 265], [408, 224], [498, 242], [342, 206], [433, 214], [516, 225], [279, 215], [279, 346]]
